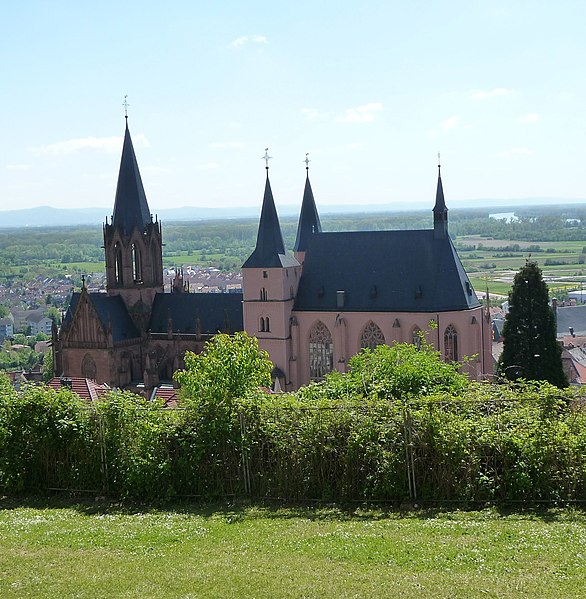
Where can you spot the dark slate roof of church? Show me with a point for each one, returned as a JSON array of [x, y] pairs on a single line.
[[270, 249], [214, 311], [110, 309], [308, 219], [394, 271], [130, 207]]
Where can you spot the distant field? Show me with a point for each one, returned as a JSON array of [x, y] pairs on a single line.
[[105, 550], [495, 262]]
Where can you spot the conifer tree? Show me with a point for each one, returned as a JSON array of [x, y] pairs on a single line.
[[530, 349]]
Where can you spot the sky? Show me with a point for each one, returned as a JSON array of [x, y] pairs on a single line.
[[372, 90]]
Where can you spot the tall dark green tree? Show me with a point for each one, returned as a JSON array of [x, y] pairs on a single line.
[[530, 349]]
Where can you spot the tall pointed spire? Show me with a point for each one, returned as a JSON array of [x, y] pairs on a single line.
[[440, 211], [308, 218], [130, 208], [270, 249]]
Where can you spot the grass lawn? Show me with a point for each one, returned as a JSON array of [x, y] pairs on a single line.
[[105, 550]]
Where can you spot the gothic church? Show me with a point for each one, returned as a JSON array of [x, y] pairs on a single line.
[[311, 311]]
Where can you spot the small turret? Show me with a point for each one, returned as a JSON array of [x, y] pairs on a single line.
[[440, 212], [309, 222]]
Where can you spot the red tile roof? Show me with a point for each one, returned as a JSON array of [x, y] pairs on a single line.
[[85, 388]]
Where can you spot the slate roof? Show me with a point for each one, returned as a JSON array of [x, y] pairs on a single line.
[[110, 309], [270, 249], [390, 271], [212, 309], [308, 219], [571, 316], [130, 207]]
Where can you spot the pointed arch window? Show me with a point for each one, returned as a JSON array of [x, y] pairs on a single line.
[[117, 264], [263, 295], [262, 327], [416, 335], [371, 336], [321, 351], [136, 264], [451, 344]]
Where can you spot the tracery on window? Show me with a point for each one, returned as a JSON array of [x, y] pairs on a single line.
[[321, 351], [451, 344], [88, 367], [371, 336]]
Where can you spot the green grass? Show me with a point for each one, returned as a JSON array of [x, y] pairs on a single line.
[[103, 550]]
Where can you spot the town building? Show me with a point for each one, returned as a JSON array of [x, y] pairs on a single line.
[[311, 311]]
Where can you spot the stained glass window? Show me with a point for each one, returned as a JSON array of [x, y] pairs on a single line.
[[451, 344], [321, 352]]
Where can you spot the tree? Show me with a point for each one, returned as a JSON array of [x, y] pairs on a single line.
[[397, 372], [530, 349], [228, 368]]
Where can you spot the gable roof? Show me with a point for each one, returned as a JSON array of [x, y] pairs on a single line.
[[130, 207], [390, 271], [308, 219], [270, 249], [214, 311], [571, 316], [110, 310], [85, 388]]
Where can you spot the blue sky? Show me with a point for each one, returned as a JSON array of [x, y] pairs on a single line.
[[372, 90]]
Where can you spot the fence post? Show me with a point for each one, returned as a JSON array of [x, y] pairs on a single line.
[[103, 455], [243, 452], [409, 461]]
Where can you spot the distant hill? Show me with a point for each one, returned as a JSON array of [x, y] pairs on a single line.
[[46, 216]]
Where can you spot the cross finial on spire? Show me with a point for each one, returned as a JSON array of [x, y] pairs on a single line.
[[126, 105], [439, 162], [266, 158], [307, 161]]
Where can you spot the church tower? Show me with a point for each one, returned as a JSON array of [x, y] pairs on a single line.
[[308, 219], [132, 241], [270, 279]]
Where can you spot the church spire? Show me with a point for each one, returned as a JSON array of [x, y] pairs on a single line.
[[440, 211], [130, 207], [270, 249], [308, 218]]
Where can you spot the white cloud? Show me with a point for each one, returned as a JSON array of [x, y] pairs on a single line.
[[226, 144], [450, 123], [516, 152], [208, 166], [361, 114], [18, 167], [493, 93], [246, 39], [532, 117], [102, 144]]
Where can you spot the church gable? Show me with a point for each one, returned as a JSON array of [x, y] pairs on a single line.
[[83, 325]]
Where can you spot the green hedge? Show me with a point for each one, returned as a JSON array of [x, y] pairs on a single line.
[[488, 442]]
